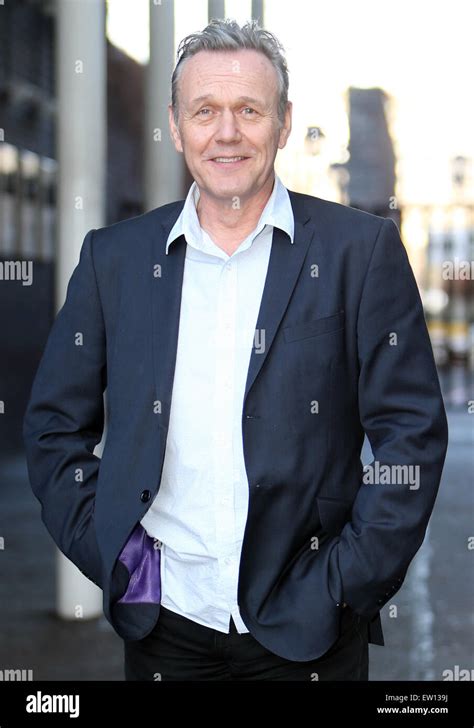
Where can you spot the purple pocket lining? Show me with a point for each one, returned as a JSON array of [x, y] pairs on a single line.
[[142, 559]]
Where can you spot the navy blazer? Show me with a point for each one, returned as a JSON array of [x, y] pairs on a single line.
[[346, 351]]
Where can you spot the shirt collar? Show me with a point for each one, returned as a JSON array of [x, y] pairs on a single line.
[[278, 212]]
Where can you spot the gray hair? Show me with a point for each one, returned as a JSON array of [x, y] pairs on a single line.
[[228, 35]]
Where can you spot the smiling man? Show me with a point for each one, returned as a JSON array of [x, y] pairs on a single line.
[[248, 337], [229, 116]]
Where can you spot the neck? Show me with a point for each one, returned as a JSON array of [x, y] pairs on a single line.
[[228, 226]]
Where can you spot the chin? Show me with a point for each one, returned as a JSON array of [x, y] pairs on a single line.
[[233, 181], [230, 186]]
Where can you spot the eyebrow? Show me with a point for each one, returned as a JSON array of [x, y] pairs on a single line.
[[210, 97]]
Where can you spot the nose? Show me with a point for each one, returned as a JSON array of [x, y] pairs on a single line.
[[228, 129]]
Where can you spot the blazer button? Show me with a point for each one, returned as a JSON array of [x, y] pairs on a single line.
[[145, 496]]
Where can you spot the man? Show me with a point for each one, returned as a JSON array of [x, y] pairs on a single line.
[[247, 337]]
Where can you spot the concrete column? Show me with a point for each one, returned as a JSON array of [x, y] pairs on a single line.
[[164, 166], [216, 9], [257, 12], [81, 135]]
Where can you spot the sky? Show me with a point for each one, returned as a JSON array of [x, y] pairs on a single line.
[[419, 51]]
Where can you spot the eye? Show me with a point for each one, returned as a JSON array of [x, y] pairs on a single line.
[[200, 112], [249, 108]]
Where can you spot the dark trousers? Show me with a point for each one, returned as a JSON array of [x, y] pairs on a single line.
[[179, 649]]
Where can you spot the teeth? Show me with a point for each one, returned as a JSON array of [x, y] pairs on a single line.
[[228, 159]]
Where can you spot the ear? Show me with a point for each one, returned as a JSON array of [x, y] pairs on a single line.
[[174, 131], [286, 128]]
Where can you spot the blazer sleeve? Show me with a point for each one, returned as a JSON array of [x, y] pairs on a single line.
[[65, 416], [402, 412]]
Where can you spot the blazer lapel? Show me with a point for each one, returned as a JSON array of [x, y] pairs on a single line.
[[166, 290], [283, 270]]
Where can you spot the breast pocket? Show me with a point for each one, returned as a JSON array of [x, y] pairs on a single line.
[[315, 327]]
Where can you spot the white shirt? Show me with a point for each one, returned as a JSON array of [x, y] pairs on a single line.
[[200, 510]]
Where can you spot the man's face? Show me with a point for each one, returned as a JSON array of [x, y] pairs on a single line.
[[227, 109]]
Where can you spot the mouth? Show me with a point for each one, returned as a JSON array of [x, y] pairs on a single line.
[[229, 161]]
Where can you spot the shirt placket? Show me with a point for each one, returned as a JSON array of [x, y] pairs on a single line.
[[223, 451]]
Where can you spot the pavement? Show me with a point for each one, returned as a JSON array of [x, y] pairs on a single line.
[[430, 631]]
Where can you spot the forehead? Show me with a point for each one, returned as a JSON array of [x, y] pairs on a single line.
[[220, 71]]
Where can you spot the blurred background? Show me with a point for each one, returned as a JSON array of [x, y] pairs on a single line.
[[383, 120]]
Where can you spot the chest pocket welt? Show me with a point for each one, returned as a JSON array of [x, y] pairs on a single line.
[[316, 327], [333, 513]]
